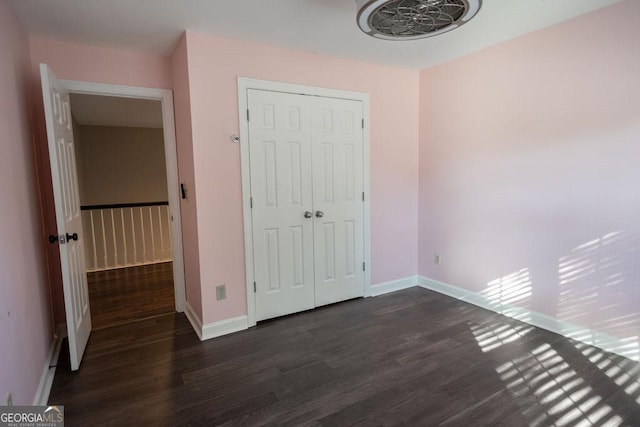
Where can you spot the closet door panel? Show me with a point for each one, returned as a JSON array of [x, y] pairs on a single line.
[[337, 141], [281, 188]]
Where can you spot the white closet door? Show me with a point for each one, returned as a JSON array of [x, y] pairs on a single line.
[[337, 137], [280, 156]]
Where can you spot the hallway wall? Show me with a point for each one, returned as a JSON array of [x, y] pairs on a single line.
[[122, 165]]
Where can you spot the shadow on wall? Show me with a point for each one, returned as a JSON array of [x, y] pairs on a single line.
[[512, 289], [598, 289]]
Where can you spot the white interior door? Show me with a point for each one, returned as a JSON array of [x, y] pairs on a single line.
[[337, 140], [306, 158], [67, 205], [281, 189]]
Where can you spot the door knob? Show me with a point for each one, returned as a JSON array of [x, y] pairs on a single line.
[[73, 236], [308, 214], [319, 214]]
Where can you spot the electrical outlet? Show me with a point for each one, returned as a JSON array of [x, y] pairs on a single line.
[[9, 399], [437, 259], [221, 292]]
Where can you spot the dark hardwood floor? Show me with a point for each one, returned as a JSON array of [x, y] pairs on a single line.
[[129, 294], [413, 357]]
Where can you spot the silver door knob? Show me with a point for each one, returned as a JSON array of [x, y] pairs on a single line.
[[308, 214], [319, 214]]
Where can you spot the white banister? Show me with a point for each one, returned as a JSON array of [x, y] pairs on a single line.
[[144, 244], [115, 243], [160, 228], [104, 246], [104, 237], [124, 237], [133, 234], [153, 245], [93, 239]]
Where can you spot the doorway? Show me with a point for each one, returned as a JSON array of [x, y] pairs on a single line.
[[62, 155], [126, 223], [165, 98]]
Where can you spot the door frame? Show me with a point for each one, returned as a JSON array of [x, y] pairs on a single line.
[[165, 96], [244, 84]]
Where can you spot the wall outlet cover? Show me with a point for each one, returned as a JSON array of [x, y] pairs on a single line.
[[10, 399], [437, 259], [221, 292]]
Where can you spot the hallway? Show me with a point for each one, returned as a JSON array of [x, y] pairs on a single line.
[[126, 295]]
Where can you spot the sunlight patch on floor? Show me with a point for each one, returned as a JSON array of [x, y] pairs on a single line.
[[566, 397], [623, 372], [493, 336]]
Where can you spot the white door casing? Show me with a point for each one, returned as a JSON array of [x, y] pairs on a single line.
[[67, 206], [337, 199], [280, 156], [306, 154], [165, 97]]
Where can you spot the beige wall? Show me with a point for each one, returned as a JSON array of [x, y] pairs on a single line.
[[121, 165], [77, 143]]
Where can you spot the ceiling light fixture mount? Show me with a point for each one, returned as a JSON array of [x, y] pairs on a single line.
[[413, 19]]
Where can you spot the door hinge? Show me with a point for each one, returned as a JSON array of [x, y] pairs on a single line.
[[362, 123], [364, 267], [251, 202], [254, 287], [247, 114], [363, 196]]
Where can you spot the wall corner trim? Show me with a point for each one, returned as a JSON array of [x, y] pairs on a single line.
[[628, 349], [193, 318], [215, 329], [49, 371], [393, 285]]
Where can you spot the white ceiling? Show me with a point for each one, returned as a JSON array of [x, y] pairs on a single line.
[[96, 110], [320, 26]]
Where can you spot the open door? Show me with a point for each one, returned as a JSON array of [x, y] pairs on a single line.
[[67, 205]]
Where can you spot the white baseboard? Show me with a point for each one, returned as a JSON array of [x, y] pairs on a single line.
[[49, 370], [193, 318], [394, 285], [224, 327], [627, 348], [215, 329]]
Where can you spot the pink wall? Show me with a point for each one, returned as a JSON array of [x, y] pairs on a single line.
[[529, 164], [74, 61], [25, 315], [214, 65], [182, 105], [84, 63]]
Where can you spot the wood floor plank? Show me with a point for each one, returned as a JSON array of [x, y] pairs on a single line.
[[413, 357], [125, 295]]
